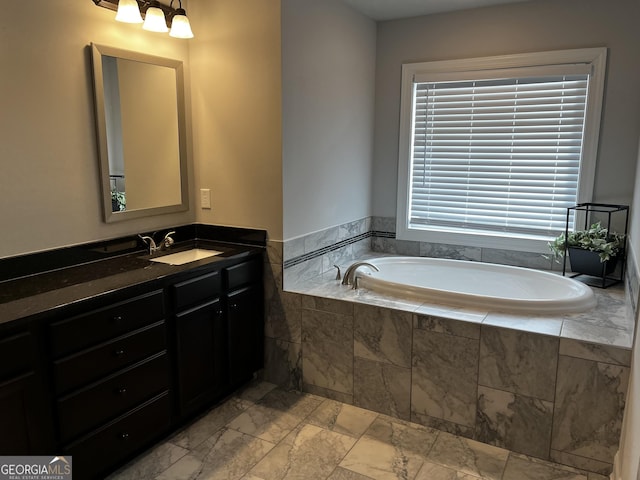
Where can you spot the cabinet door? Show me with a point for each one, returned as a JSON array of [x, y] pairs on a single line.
[[25, 419], [202, 354], [245, 318], [18, 424]]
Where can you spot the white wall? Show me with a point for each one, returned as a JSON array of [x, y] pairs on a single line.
[[328, 72], [628, 459], [49, 178], [524, 27], [236, 91]]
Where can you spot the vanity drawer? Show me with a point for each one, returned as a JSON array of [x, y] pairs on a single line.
[[85, 330], [197, 290], [101, 401], [94, 363], [15, 355], [106, 447], [243, 273]]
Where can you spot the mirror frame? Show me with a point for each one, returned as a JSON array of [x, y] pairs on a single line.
[[97, 51]]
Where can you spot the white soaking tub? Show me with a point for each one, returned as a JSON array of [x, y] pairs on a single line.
[[476, 285]]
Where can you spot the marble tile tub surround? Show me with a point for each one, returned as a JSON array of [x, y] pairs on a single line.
[[490, 376], [310, 255], [316, 253], [544, 386], [266, 433]]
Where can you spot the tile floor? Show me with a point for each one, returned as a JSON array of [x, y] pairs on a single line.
[[265, 433]]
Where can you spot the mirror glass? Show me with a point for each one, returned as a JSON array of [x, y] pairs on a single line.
[[141, 133]]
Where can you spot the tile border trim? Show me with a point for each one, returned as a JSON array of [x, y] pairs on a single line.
[[343, 243]]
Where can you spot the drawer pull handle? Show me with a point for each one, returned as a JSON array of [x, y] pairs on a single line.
[[234, 305], [119, 352], [121, 391], [124, 436], [117, 318]]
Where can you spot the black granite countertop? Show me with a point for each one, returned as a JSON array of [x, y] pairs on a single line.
[[45, 292]]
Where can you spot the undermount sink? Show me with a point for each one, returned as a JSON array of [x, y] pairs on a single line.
[[180, 258]]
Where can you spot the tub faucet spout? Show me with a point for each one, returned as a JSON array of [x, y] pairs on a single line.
[[350, 275]]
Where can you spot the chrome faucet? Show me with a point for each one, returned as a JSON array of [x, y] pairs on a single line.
[[150, 242], [350, 275], [166, 242]]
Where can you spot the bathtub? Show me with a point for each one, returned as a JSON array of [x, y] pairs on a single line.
[[476, 285]]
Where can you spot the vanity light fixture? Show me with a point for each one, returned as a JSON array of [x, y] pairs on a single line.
[[157, 16]]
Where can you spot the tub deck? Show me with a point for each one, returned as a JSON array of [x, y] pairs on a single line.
[[610, 323]]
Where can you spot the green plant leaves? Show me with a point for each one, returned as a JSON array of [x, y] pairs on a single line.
[[595, 239]]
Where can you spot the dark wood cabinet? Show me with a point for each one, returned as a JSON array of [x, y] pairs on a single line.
[[88, 329], [109, 364], [25, 417], [244, 317], [99, 402], [201, 355], [19, 428], [107, 447], [220, 334], [103, 378]]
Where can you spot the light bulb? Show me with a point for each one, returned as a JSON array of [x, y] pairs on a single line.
[[180, 26], [154, 20], [128, 12]]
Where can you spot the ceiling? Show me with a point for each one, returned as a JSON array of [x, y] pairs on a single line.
[[393, 9]]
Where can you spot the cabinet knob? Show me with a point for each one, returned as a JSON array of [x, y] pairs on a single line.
[[234, 305], [119, 352], [121, 391], [124, 436], [116, 318]]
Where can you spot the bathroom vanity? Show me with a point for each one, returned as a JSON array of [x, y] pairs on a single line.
[[103, 367]]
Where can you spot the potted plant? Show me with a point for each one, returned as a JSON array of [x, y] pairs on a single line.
[[118, 201], [593, 252]]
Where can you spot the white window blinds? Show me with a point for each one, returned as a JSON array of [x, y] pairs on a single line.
[[500, 154]]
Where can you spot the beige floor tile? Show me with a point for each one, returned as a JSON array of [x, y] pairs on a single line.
[[521, 467], [468, 456], [431, 471], [309, 452], [273, 434], [341, 418], [227, 455]]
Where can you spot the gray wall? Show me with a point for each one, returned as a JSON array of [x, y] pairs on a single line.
[[525, 27], [328, 72]]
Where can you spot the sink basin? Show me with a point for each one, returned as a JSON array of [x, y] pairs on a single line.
[[180, 258]]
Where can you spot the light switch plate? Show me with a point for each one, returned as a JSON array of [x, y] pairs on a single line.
[[205, 198]]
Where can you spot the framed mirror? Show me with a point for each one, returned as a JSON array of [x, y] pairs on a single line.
[[140, 121]]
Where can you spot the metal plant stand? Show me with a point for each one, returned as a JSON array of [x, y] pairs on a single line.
[[607, 274]]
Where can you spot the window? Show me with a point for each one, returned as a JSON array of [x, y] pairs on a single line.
[[494, 150]]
